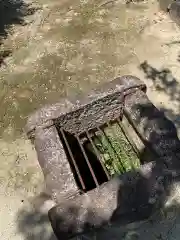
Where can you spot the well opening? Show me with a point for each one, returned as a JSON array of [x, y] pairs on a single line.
[[98, 154]]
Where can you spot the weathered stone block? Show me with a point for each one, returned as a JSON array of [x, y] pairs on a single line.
[[129, 197]]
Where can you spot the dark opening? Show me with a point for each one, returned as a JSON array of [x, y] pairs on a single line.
[[81, 163], [98, 154]]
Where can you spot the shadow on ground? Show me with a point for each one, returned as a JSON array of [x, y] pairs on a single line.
[[35, 225], [164, 82], [12, 12]]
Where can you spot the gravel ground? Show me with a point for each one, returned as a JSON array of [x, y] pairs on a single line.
[[62, 48]]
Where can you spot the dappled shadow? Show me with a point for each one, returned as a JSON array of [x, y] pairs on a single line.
[[161, 136], [12, 12], [34, 225], [32, 219], [167, 82], [164, 81]]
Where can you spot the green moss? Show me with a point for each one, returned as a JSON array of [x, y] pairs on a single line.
[[115, 150]]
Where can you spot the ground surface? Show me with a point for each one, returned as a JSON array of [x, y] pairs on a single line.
[[65, 47]]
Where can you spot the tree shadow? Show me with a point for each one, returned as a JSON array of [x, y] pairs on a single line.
[[12, 12], [162, 224], [32, 219], [164, 81], [34, 225]]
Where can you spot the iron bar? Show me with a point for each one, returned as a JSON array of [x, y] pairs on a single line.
[[104, 142], [87, 161], [72, 158], [98, 155]]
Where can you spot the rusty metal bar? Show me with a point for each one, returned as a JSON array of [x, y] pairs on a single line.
[[72, 158], [98, 155], [114, 155], [87, 161]]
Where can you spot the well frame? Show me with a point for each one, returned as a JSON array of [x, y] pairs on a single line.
[[131, 196]]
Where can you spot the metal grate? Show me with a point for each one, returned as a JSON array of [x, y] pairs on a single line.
[[97, 155]]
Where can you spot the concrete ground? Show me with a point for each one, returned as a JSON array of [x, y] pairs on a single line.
[[62, 47]]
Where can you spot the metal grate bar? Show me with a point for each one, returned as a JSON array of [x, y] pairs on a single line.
[[87, 161], [97, 153], [109, 142], [72, 157]]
